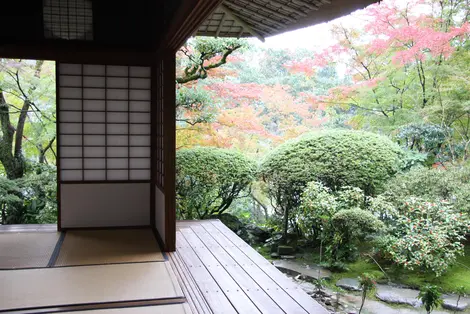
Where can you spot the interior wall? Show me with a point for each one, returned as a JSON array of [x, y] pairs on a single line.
[[104, 205], [160, 213]]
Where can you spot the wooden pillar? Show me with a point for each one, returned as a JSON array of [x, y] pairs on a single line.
[[169, 125]]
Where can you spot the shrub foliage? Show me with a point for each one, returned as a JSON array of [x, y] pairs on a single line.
[[336, 158], [209, 179]]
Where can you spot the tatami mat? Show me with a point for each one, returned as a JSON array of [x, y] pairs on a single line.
[[93, 247], [30, 288], [157, 309], [27, 250]]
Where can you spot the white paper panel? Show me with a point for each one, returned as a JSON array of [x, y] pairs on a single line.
[[71, 175], [139, 117], [94, 105], [70, 92], [93, 163], [117, 140], [116, 117], [120, 152], [66, 68], [68, 128], [140, 71], [116, 82], [92, 128], [94, 81], [70, 140], [94, 140], [106, 111], [118, 129], [118, 94], [68, 163], [140, 163], [70, 104], [94, 175], [105, 205], [94, 117], [140, 129], [70, 151], [71, 81], [117, 105], [91, 69], [94, 93], [139, 175], [118, 175], [94, 151], [116, 70], [137, 94], [140, 83], [140, 152], [70, 116], [139, 140], [140, 106], [117, 163]]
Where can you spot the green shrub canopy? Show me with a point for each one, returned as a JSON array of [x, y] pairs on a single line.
[[208, 179], [336, 158]]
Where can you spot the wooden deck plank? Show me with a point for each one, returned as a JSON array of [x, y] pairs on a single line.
[[214, 295], [232, 290], [274, 289], [310, 305], [196, 301], [252, 289]]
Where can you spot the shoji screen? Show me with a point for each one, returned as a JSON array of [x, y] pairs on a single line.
[[104, 127], [104, 114]]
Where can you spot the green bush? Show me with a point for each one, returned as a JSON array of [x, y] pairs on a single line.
[[336, 158], [333, 218], [209, 179], [31, 199], [452, 185], [426, 235]]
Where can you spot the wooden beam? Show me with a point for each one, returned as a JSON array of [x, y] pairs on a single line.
[[241, 22], [238, 8], [305, 4], [258, 25], [219, 28], [287, 8], [261, 8]]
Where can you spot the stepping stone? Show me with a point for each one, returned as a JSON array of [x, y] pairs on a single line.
[[350, 284], [396, 295], [295, 268], [450, 303]]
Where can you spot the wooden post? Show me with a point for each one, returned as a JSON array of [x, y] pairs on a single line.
[[169, 125]]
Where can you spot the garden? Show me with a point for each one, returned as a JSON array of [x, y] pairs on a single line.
[[344, 162]]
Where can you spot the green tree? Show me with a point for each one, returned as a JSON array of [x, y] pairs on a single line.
[[367, 283], [209, 179], [27, 108], [431, 297]]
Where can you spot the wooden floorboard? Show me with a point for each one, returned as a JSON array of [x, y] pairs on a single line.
[[214, 295], [231, 276]]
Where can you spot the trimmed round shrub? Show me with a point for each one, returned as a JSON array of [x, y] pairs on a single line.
[[209, 179], [336, 158]]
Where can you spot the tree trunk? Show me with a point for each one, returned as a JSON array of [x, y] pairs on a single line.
[[12, 157]]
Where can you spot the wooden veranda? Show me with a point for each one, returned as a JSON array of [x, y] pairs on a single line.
[[220, 273]]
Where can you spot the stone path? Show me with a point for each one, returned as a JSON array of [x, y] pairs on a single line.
[[392, 296], [295, 268]]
